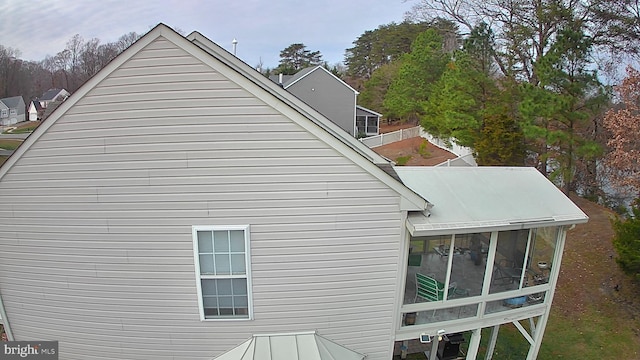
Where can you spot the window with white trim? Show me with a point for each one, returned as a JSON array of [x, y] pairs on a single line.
[[223, 271]]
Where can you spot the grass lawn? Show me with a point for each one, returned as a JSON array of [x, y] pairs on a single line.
[[25, 127], [9, 144]]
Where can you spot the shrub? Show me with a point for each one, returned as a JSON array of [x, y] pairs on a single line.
[[627, 241], [403, 160]]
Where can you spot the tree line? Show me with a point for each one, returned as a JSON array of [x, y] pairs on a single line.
[[519, 82], [68, 69]]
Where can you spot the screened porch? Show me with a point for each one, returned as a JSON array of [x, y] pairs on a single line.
[[460, 276]]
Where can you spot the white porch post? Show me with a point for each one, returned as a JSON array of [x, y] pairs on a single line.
[[474, 344], [434, 348], [553, 280], [5, 321], [492, 342]]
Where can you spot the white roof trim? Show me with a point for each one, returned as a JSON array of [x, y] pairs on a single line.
[[325, 70], [368, 110], [159, 30], [305, 116], [214, 56]]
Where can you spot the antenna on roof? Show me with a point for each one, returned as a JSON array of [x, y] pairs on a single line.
[[235, 43]]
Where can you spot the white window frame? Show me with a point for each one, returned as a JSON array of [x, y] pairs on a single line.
[[200, 277], [4, 113]]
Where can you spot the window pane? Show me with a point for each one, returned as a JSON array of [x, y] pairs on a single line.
[[428, 256], [239, 286], [221, 241], [240, 301], [208, 287], [509, 262], [224, 287], [223, 267], [205, 243], [206, 264], [237, 240], [226, 305], [469, 264], [541, 253], [238, 266], [210, 302], [211, 313]]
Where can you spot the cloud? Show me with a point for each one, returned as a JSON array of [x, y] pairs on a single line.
[[39, 28]]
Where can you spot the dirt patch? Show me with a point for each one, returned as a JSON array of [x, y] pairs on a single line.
[[418, 150]]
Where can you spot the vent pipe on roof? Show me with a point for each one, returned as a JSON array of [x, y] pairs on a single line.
[[234, 42], [280, 78]]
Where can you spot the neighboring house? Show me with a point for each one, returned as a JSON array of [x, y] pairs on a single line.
[[52, 95], [367, 122], [185, 206], [330, 96], [12, 110], [36, 111]]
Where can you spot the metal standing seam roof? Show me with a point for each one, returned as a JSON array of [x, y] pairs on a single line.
[[467, 198], [291, 346]]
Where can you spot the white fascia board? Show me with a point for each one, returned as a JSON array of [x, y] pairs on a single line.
[[321, 68], [418, 225], [290, 106], [368, 110], [159, 30]]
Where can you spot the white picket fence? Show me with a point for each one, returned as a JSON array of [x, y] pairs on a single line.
[[391, 137], [465, 154]]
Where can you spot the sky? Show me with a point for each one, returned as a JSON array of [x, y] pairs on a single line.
[[38, 28]]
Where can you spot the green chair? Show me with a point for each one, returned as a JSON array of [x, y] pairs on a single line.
[[431, 289]]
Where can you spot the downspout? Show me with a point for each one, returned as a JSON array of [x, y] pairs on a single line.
[[5, 321]]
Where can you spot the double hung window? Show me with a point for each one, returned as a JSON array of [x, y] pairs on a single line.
[[223, 271]]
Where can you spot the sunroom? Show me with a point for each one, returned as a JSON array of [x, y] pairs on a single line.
[[487, 253]]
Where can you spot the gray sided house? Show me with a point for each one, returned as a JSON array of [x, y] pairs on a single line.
[[12, 110], [53, 95], [326, 93], [186, 207]]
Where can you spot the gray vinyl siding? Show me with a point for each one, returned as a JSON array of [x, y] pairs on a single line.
[[96, 219], [328, 96]]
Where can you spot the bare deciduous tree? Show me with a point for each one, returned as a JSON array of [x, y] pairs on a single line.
[[624, 126], [525, 29]]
